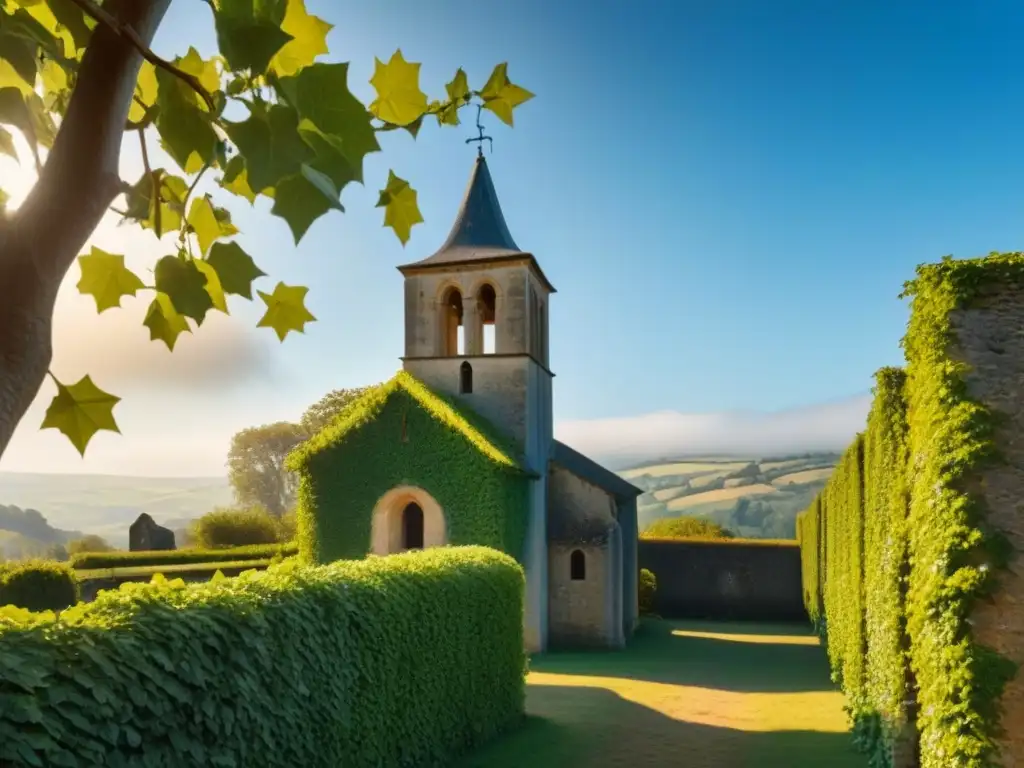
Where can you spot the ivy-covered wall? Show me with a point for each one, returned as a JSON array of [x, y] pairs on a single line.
[[402, 433], [913, 539]]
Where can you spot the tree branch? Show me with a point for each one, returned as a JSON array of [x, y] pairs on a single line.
[[89, 7], [154, 183]]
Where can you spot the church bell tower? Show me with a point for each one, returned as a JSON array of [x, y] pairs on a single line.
[[476, 328]]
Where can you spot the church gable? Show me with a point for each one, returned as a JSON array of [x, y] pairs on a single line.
[[403, 435]]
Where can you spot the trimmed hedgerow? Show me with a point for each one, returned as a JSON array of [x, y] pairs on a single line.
[[402, 433], [807, 524], [95, 560], [886, 496], [401, 661], [955, 555], [845, 576], [647, 588], [38, 585]]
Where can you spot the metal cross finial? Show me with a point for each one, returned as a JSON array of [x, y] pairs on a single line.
[[481, 138]]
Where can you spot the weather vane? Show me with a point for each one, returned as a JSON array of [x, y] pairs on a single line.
[[481, 138]]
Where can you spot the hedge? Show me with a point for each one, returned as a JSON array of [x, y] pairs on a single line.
[[406, 660], [402, 433], [807, 523], [38, 585], [94, 560], [903, 549]]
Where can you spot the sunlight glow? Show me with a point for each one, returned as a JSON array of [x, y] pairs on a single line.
[[756, 639]]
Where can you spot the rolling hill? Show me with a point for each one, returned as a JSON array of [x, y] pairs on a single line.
[[107, 504], [753, 497]]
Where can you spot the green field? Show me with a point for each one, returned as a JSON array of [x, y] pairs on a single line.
[[691, 694]]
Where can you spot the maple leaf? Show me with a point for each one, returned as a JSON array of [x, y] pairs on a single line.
[[399, 98], [286, 310], [401, 210], [501, 96], [106, 278], [309, 39], [80, 411]]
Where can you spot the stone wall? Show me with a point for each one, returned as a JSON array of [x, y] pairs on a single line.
[[989, 339], [714, 580], [578, 613]]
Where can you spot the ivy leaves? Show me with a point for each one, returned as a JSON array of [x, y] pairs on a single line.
[[300, 140]]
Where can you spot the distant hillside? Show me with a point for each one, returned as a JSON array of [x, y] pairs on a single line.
[[754, 497], [107, 504]]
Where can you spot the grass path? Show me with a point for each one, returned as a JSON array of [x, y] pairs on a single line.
[[687, 694]]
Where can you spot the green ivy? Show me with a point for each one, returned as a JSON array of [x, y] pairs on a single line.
[[955, 556], [406, 660], [402, 433], [886, 561], [94, 560], [37, 585], [807, 525]]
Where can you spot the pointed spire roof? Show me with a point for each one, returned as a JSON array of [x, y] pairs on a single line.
[[480, 233]]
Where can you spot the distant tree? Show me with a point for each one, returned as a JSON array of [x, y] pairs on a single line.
[[685, 528], [57, 552], [256, 466], [89, 543], [235, 528], [326, 409]]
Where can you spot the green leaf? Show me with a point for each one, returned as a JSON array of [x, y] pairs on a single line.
[[213, 286], [185, 286], [184, 126], [236, 180], [248, 42], [458, 94], [205, 71], [401, 211], [270, 143], [146, 88], [329, 157], [141, 207], [234, 267], [27, 113], [106, 278], [64, 20], [286, 310], [304, 198], [80, 411], [309, 39], [164, 322], [17, 62], [501, 96], [399, 98], [7, 144], [203, 219], [322, 97]]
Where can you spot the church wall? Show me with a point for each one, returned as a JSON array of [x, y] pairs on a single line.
[[424, 294], [574, 499], [499, 388], [630, 565], [578, 612]]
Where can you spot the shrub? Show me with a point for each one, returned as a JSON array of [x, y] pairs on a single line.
[[38, 585], [90, 561], [399, 661], [89, 543], [235, 528], [684, 527], [648, 586]]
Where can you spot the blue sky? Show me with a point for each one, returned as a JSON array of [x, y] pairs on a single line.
[[728, 196]]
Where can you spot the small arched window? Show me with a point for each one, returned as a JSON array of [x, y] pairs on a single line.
[[412, 526], [466, 378], [577, 565]]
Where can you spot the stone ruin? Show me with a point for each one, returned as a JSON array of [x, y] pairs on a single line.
[[144, 535]]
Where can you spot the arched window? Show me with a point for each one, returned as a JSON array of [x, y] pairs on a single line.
[[466, 378], [577, 565], [452, 338], [412, 526], [486, 302]]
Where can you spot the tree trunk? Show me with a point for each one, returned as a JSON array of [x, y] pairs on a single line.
[[40, 241]]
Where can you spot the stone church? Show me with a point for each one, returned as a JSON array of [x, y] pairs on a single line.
[[462, 446]]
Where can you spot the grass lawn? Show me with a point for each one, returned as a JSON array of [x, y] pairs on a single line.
[[170, 570], [687, 694]]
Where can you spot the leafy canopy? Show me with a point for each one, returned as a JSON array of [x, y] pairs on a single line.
[[302, 138]]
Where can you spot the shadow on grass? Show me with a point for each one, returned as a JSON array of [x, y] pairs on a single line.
[[746, 658], [596, 728]]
